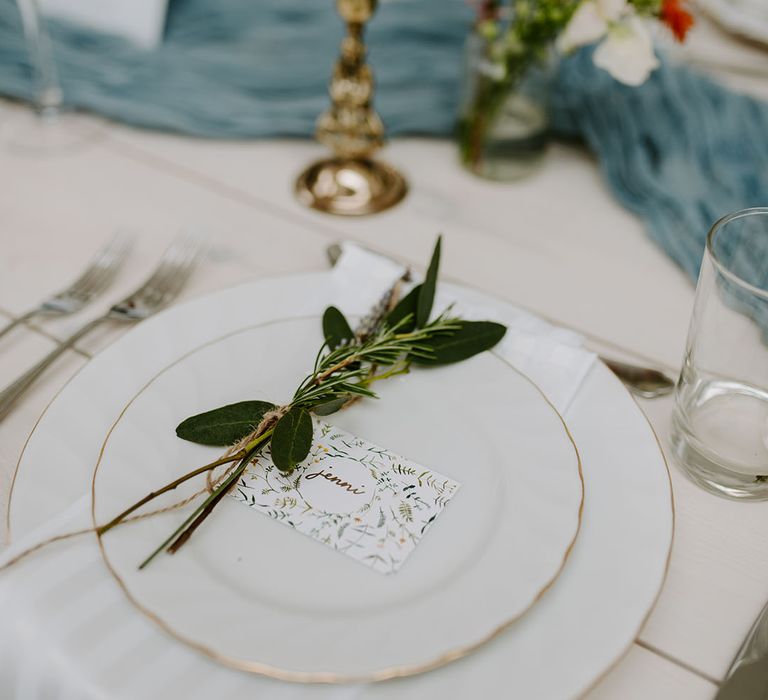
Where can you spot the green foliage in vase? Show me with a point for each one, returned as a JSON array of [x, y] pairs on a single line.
[[510, 37]]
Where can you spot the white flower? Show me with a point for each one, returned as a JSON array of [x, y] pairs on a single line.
[[590, 22], [626, 51]]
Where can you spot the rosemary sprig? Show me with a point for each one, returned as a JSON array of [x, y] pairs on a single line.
[[343, 372]]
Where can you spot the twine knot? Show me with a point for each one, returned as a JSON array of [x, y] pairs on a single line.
[[268, 420]]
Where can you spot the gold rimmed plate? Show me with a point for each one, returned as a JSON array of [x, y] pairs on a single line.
[[261, 597]]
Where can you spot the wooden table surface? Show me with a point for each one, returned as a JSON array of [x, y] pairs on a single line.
[[557, 243]]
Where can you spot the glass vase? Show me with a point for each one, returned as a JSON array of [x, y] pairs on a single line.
[[503, 129]]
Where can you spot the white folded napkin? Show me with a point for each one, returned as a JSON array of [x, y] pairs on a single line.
[[68, 632], [554, 358]]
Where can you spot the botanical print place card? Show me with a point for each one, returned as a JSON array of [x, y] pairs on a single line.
[[351, 495]]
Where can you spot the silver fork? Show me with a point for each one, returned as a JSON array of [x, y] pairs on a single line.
[[162, 286], [96, 277]]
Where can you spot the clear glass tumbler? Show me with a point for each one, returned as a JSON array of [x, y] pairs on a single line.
[[720, 420]]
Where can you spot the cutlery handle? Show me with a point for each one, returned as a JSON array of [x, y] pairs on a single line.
[[18, 388], [18, 321]]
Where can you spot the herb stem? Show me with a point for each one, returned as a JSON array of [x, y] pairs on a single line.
[[213, 498], [168, 487], [179, 531], [395, 371], [216, 495], [335, 368]]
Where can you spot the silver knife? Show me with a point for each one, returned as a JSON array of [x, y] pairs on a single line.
[[646, 382], [747, 678]]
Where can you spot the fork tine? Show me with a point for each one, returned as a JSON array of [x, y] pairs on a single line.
[[102, 269], [95, 279], [107, 269], [178, 273], [169, 276], [184, 267], [157, 274], [168, 264]]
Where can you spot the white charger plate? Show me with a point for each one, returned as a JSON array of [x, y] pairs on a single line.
[[583, 624], [261, 597]]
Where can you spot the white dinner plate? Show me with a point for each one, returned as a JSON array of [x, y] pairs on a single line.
[[581, 626], [261, 597]]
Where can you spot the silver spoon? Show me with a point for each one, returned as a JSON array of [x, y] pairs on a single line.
[[645, 382]]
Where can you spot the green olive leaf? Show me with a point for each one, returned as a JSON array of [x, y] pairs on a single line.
[[336, 329], [405, 307], [325, 409], [471, 338], [292, 439], [225, 425], [427, 291]]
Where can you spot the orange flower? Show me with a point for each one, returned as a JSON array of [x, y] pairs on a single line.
[[676, 17]]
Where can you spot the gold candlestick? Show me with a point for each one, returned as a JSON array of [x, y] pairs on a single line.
[[351, 183]]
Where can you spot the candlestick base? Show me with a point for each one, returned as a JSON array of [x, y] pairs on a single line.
[[350, 186]]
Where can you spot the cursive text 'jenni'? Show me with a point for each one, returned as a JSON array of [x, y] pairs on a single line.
[[336, 480]]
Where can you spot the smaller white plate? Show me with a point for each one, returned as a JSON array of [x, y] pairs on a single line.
[[264, 598]]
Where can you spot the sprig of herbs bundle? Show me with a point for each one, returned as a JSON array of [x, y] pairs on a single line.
[[346, 367]]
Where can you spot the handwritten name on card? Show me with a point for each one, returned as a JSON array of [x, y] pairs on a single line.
[[353, 496]]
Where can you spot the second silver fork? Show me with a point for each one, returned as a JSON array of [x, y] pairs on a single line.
[[162, 286]]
